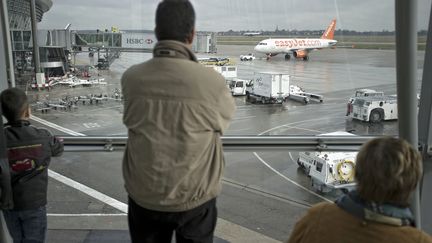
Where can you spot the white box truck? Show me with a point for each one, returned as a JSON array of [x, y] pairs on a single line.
[[269, 87]]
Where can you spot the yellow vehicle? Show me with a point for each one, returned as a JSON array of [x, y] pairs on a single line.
[[218, 61]]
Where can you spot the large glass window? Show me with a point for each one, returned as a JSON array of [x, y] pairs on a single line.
[[329, 67]]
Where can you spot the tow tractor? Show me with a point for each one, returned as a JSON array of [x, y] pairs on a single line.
[[375, 109], [361, 93], [329, 170]]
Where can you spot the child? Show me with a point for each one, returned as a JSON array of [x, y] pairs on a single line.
[[29, 153]]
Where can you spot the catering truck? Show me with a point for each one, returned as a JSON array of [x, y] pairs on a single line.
[[268, 87], [271, 88], [329, 170]]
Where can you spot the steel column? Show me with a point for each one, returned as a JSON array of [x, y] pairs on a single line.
[[406, 73], [9, 80], [425, 132], [36, 57]]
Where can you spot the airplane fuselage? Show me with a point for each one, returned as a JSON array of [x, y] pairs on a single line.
[[276, 46]]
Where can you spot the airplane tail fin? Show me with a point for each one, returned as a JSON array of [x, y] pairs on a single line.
[[329, 32]]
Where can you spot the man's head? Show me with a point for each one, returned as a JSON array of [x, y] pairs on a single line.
[[14, 104], [387, 170], [175, 20]]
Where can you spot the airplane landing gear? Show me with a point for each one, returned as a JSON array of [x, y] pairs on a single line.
[[306, 58], [268, 57], [287, 57]]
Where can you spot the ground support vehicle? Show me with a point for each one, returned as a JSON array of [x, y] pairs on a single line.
[[329, 170], [375, 108], [248, 57], [275, 88], [268, 88], [238, 86], [361, 93], [298, 94], [228, 72], [217, 61]]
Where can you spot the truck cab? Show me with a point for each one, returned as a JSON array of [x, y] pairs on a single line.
[[239, 86], [361, 93], [375, 108]]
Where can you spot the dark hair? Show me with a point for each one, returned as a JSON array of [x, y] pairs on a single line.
[[387, 170], [13, 103], [175, 20]]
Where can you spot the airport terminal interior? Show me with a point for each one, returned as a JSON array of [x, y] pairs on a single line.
[[310, 84]]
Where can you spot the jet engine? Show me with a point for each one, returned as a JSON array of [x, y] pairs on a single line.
[[300, 54]]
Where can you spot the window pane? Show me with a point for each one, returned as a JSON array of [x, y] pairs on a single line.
[[293, 68]]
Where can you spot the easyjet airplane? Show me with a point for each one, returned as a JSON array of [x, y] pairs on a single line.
[[299, 48]]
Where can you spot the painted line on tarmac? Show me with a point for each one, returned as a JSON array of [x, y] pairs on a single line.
[[290, 155], [288, 179], [85, 214], [280, 174], [243, 118], [300, 128], [55, 126], [123, 207], [289, 124], [224, 229]]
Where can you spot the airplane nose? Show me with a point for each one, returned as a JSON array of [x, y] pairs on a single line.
[[256, 48]]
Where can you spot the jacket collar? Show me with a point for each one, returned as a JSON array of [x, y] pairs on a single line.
[[18, 123], [173, 49], [380, 213]]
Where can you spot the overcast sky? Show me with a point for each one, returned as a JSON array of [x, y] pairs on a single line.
[[223, 15]]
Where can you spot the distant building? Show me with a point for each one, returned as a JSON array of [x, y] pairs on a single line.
[[21, 37]]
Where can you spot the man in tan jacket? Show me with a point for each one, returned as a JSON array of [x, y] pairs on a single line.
[[387, 171], [175, 111]]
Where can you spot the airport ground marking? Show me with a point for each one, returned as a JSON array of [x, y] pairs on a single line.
[[300, 128], [280, 174], [243, 118], [55, 126], [288, 179], [288, 124], [85, 214], [292, 159], [123, 207]]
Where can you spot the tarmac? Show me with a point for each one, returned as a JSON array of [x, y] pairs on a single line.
[[263, 194]]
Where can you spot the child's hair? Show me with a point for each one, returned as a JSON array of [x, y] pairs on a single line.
[[387, 170], [14, 103]]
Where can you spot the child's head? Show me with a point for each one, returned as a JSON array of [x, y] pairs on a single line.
[[387, 170], [14, 104]]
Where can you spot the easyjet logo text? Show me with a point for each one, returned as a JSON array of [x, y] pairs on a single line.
[[298, 43]]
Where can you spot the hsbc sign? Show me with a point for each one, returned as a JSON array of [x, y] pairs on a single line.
[[138, 40]]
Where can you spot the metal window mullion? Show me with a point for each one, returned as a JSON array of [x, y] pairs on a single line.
[[425, 132]]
